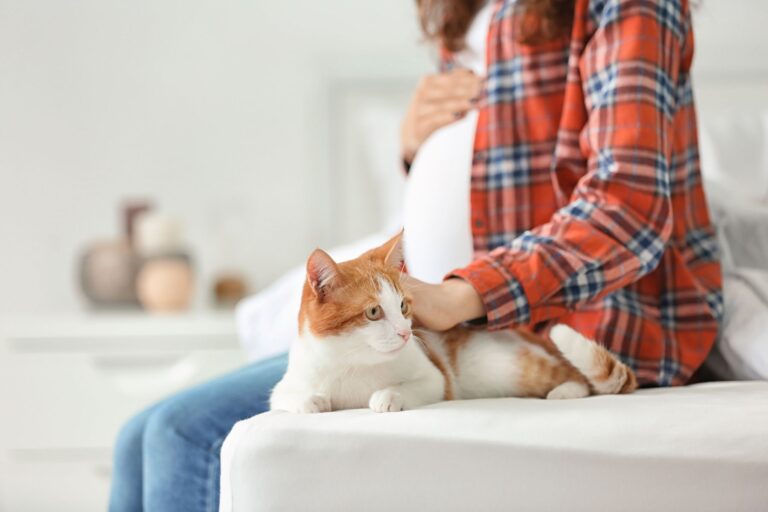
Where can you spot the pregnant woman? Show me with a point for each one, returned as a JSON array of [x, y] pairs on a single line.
[[553, 177]]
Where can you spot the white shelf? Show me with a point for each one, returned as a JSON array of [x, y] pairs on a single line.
[[120, 331], [68, 382], [128, 323]]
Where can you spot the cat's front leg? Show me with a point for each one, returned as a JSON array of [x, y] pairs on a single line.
[[408, 395], [285, 398], [302, 404], [386, 400]]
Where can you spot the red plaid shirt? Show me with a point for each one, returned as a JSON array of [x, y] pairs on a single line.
[[587, 205]]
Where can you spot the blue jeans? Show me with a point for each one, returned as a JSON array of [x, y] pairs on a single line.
[[167, 457]]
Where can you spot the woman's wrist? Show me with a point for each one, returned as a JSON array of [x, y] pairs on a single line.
[[463, 303], [445, 305]]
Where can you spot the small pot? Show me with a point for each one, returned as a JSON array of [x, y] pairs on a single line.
[[165, 284], [108, 274]]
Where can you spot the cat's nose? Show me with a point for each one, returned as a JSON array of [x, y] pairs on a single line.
[[404, 333]]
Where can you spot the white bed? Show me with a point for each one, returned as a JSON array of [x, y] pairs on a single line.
[[699, 448]]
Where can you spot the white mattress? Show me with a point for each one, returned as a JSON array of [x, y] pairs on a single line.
[[699, 448]]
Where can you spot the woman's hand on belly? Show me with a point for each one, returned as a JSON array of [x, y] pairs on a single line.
[[439, 100], [442, 306]]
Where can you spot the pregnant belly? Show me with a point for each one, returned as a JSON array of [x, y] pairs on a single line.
[[437, 236]]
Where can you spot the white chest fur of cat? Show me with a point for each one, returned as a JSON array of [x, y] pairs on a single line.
[[356, 349]]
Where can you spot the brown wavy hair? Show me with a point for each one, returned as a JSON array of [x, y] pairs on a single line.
[[447, 21]]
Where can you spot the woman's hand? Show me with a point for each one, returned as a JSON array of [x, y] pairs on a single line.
[[439, 100], [442, 306]]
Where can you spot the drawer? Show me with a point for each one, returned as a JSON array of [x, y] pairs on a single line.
[[60, 481], [80, 399]]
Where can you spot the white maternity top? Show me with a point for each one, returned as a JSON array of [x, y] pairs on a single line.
[[437, 235]]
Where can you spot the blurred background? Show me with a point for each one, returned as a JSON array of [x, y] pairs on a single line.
[[206, 147], [219, 113]]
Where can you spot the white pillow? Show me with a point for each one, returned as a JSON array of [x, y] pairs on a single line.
[[742, 350], [735, 168], [742, 228], [734, 154]]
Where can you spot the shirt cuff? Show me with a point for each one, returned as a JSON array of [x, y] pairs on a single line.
[[505, 301]]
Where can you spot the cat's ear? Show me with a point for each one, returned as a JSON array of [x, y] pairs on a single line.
[[392, 251], [322, 273]]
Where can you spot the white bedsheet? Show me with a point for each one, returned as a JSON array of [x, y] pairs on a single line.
[[699, 448]]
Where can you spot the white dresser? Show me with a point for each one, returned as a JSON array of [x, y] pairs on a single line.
[[67, 384]]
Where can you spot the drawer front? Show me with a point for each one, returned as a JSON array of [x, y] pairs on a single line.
[[80, 400], [56, 481]]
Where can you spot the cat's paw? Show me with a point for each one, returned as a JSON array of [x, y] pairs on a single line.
[[568, 390], [302, 404], [314, 404], [386, 400]]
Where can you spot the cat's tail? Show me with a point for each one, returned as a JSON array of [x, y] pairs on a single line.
[[603, 370]]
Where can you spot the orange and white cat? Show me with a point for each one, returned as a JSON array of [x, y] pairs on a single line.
[[356, 348]]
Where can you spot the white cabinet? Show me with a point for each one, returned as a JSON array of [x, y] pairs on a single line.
[[68, 384]]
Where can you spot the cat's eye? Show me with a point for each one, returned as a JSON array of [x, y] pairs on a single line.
[[374, 313], [403, 306]]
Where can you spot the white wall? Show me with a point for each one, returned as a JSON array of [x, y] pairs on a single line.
[[731, 37], [217, 110]]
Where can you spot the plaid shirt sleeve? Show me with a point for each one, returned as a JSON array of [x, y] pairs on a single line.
[[614, 226]]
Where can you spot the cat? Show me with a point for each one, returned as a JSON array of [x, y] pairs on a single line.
[[356, 348]]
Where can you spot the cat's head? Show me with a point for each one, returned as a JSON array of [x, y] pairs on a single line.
[[357, 310]]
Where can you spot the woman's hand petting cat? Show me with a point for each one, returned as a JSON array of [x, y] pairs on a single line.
[[439, 99], [442, 306]]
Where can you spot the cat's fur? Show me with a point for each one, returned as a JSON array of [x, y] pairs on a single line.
[[344, 360]]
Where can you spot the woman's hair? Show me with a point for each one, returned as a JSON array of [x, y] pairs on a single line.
[[447, 21]]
